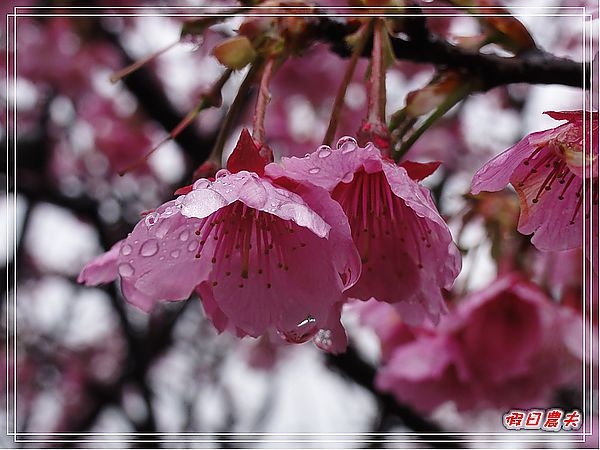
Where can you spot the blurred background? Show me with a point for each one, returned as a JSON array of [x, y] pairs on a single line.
[[86, 361]]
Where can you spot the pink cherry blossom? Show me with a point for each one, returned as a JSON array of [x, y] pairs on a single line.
[[547, 169], [505, 346], [405, 246], [261, 256]]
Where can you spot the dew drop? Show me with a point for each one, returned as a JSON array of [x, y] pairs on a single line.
[[151, 219], [347, 178], [303, 332], [222, 173], [323, 339], [149, 248], [126, 270], [323, 151], [314, 171], [162, 228], [202, 183], [347, 143], [126, 250], [184, 235], [192, 246], [169, 211], [175, 254]]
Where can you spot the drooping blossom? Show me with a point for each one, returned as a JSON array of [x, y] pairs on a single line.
[[548, 169], [507, 346], [406, 249], [262, 257]]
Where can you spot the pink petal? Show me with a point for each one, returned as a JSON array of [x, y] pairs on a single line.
[[102, 269], [496, 174], [157, 260], [257, 193], [343, 256], [262, 246], [425, 374], [137, 298], [328, 167], [213, 312], [408, 253], [263, 290], [504, 328], [552, 215]]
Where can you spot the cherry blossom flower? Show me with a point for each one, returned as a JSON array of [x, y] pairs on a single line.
[[263, 257], [496, 349], [548, 169], [406, 248]]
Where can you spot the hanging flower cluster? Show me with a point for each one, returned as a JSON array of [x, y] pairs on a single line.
[[278, 247]]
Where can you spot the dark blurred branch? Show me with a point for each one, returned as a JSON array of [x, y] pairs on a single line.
[[534, 67], [353, 367]]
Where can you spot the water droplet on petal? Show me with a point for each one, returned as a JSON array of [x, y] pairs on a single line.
[[202, 183], [126, 250], [323, 339], [192, 246], [347, 178], [184, 235], [162, 228], [222, 173], [126, 270], [303, 332], [151, 219], [314, 171], [323, 151], [169, 212], [149, 248], [175, 254], [348, 142], [201, 203]]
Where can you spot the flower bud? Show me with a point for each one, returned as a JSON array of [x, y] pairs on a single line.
[[235, 53], [427, 99]]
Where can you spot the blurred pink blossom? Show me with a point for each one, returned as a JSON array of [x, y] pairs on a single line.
[[507, 346]]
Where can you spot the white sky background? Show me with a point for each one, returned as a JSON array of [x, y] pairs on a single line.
[[306, 396]]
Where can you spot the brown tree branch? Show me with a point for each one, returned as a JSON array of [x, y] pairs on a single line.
[[533, 67]]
